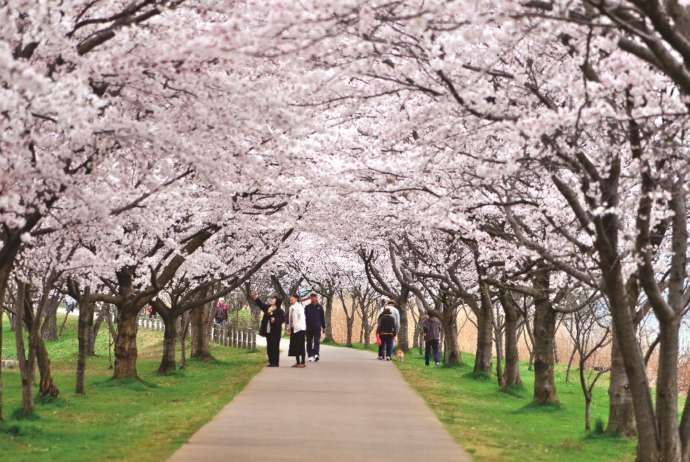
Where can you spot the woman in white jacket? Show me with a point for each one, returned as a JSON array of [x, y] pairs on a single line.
[[298, 328]]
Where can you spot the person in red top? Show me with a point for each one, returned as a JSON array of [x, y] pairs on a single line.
[[221, 314]]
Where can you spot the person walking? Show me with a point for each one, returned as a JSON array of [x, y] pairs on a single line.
[[316, 325], [271, 327], [221, 314], [387, 330], [390, 304], [298, 327], [431, 326]]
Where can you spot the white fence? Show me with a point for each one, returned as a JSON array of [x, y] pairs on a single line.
[[226, 335]]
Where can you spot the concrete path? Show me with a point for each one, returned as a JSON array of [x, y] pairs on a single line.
[[349, 407]]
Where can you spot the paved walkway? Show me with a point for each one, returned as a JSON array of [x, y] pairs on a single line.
[[349, 407]]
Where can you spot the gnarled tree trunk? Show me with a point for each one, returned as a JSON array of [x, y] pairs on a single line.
[[544, 338], [621, 413], [47, 387], [403, 335], [451, 350], [26, 365], [49, 331], [126, 344], [511, 374], [86, 309], [169, 338], [184, 331], [485, 326], [201, 326]]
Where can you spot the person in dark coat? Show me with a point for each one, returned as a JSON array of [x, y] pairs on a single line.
[[431, 326], [316, 325], [271, 327], [386, 329]]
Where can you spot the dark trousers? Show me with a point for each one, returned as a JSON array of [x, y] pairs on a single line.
[[429, 346], [382, 347], [273, 348], [387, 343], [313, 342]]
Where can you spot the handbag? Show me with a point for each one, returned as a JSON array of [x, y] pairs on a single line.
[[378, 339]]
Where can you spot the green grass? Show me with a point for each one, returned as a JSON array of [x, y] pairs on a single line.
[[496, 426], [120, 420]]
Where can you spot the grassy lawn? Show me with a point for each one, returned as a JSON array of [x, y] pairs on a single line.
[[120, 420], [496, 426]]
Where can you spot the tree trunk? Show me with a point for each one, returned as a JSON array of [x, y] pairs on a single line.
[[93, 334], [511, 376], [4, 278], [416, 338], [47, 387], [350, 324], [86, 308], [570, 364], [37, 350], [63, 324], [367, 333], [3, 288], [499, 356], [169, 338], [328, 313], [200, 317], [621, 413], [50, 329], [25, 365], [403, 341], [482, 360], [451, 356], [626, 335], [126, 344], [544, 336], [588, 414], [184, 331], [667, 391]]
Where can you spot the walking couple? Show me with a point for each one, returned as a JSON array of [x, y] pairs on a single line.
[[387, 328], [303, 323]]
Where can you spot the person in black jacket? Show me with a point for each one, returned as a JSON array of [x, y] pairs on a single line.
[[387, 330], [316, 324], [271, 327]]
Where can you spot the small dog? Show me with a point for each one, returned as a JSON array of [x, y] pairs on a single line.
[[400, 355]]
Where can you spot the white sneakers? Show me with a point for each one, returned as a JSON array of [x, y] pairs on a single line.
[[311, 359]]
